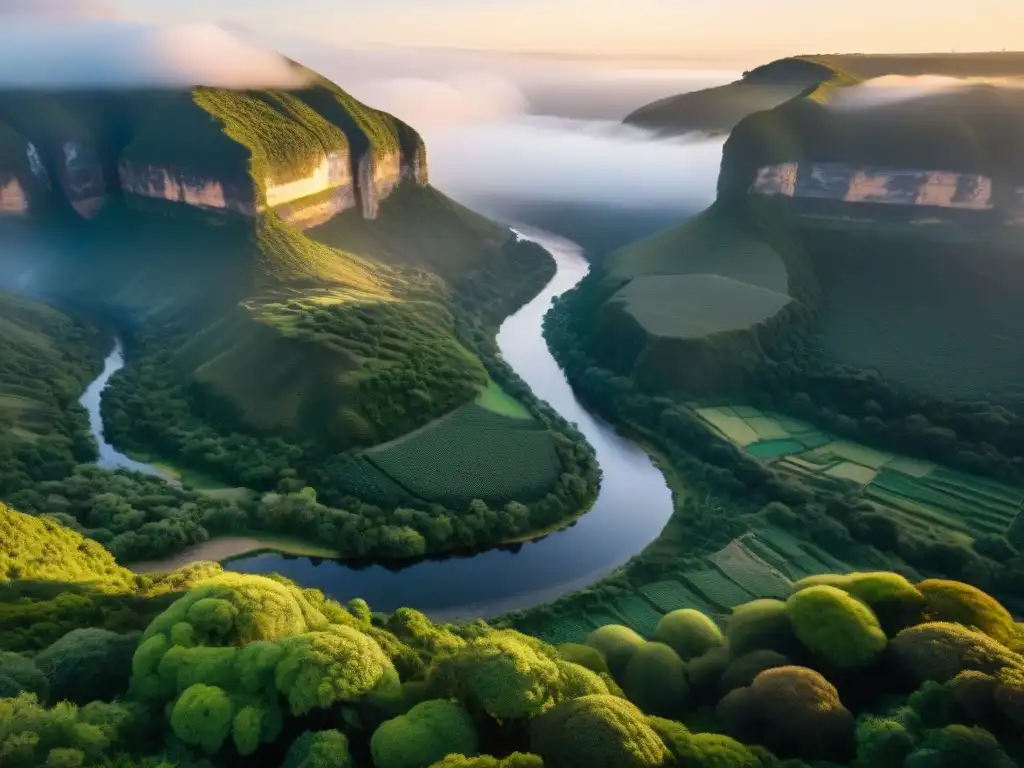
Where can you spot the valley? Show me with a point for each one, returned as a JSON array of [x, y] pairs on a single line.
[[305, 464]]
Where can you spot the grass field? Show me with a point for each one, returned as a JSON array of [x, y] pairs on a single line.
[[467, 456], [696, 306], [496, 400]]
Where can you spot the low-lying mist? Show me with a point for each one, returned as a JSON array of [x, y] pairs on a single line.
[[541, 141], [898, 89]]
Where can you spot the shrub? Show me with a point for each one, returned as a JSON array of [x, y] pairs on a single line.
[[88, 665], [655, 680], [515, 760], [742, 671], [202, 717], [882, 743], [617, 644], [585, 656], [793, 711], [836, 626], [705, 672], [19, 674], [895, 601], [953, 601], [425, 734], [689, 633], [939, 651], [975, 694], [1009, 695], [958, 745], [760, 625], [322, 668], [579, 681], [319, 749], [502, 674], [596, 732]]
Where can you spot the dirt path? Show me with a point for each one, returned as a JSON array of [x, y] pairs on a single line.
[[225, 548]]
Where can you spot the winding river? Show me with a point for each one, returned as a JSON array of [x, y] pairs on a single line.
[[632, 507]]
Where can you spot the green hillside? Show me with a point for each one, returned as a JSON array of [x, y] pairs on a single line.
[[267, 347], [720, 109], [46, 359]]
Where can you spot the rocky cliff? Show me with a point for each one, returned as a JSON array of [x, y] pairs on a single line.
[[306, 155]]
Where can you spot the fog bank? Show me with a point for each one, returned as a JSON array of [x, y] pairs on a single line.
[[52, 49], [897, 89], [540, 140]]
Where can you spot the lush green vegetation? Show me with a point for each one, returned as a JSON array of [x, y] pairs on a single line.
[[210, 668], [46, 360]]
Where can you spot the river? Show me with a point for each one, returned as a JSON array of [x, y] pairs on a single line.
[[631, 509], [110, 457]]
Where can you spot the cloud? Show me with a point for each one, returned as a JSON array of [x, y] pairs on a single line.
[[67, 53], [897, 89], [56, 8], [521, 129]]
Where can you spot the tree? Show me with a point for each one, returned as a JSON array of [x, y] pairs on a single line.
[[689, 633], [323, 668], [596, 732], [425, 734], [202, 717], [319, 749], [88, 665], [793, 711], [835, 626], [502, 674], [19, 674]]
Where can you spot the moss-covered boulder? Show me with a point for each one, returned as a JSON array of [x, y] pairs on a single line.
[[743, 670]]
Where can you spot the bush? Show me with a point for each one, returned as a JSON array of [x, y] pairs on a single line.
[[88, 665], [579, 681], [939, 651], [760, 625], [689, 633], [19, 674], [617, 644], [836, 626], [585, 656], [202, 717], [793, 711], [895, 601], [655, 680], [504, 675], [882, 743], [425, 734], [705, 672], [515, 760], [958, 745], [319, 749], [953, 601], [742, 671], [596, 732]]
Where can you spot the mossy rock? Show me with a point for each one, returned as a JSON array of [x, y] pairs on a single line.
[[617, 644], [760, 625], [960, 603], [655, 680]]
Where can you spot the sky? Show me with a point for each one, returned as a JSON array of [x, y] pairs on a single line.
[[727, 31]]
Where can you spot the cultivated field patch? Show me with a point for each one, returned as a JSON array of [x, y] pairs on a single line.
[[467, 457]]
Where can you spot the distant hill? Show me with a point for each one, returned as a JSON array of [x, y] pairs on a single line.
[[719, 109]]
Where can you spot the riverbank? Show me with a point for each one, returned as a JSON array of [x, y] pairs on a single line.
[[224, 549]]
